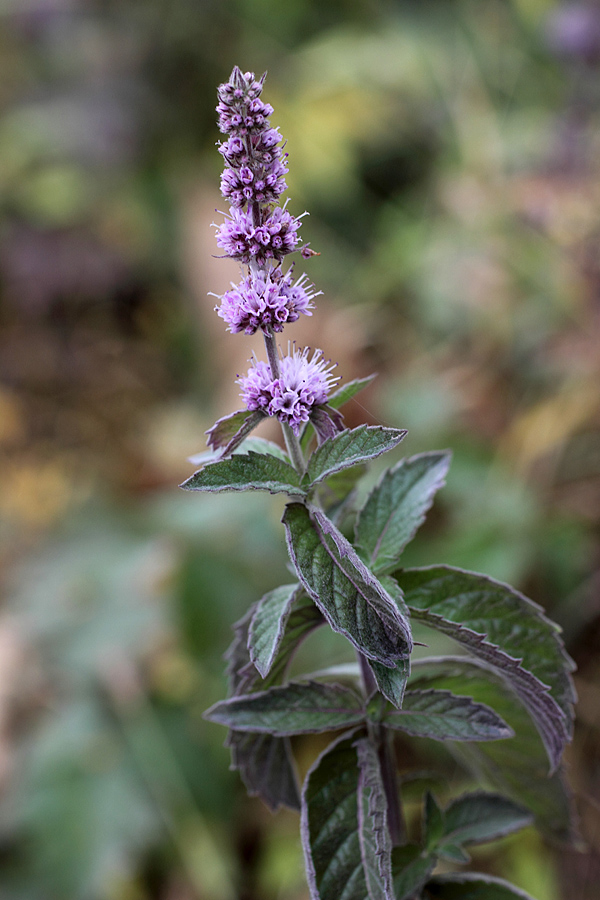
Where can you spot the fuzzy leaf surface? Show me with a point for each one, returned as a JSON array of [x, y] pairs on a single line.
[[267, 625], [231, 430], [509, 632], [480, 817], [246, 472], [296, 708], [374, 836], [329, 825], [350, 597], [517, 768], [348, 448], [411, 867], [472, 887], [444, 716], [396, 508], [265, 762]]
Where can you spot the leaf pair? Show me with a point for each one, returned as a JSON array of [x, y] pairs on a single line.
[[311, 707], [268, 471], [346, 843]]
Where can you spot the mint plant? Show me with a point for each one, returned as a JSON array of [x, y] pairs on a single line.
[[503, 704]]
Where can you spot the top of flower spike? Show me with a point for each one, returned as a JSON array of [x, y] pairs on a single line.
[[240, 109]]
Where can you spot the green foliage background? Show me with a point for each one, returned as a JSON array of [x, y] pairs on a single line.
[[447, 153]]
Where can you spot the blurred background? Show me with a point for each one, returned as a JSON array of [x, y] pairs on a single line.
[[448, 154]]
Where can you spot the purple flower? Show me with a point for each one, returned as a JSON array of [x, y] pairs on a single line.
[[301, 389], [273, 239], [266, 301]]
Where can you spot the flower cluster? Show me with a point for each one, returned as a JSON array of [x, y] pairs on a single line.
[[260, 234], [266, 299], [303, 383], [255, 170], [274, 238]]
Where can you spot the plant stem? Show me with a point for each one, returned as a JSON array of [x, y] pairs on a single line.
[[291, 441], [387, 765], [387, 762]]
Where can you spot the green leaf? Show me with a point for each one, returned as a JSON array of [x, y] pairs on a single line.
[[509, 632], [336, 400], [329, 825], [516, 767], [392, 682], [296, 708], [268, 625], [480, 817], [231, 430], [264, 762], [374, 836], [453, 853], [349, 390], [350, 597], [411, 867], [348, 448], [396, 508], [472, 887], [433, 821], [261, 445], [246, 472], [444, 716]]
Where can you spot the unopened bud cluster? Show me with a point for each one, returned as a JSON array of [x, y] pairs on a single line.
[[260, 233]]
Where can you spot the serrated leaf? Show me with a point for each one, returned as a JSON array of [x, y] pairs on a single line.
[[265, 762], [433, 821], [296, 708], [444, 716], [411, 867], [349, 596], [516, 767], [231, 430], [480, 817], [268, 624], [348, 448], [246, 472], [509, 632], [329, 825], [472, 887], [396, 508], [373, 832]]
